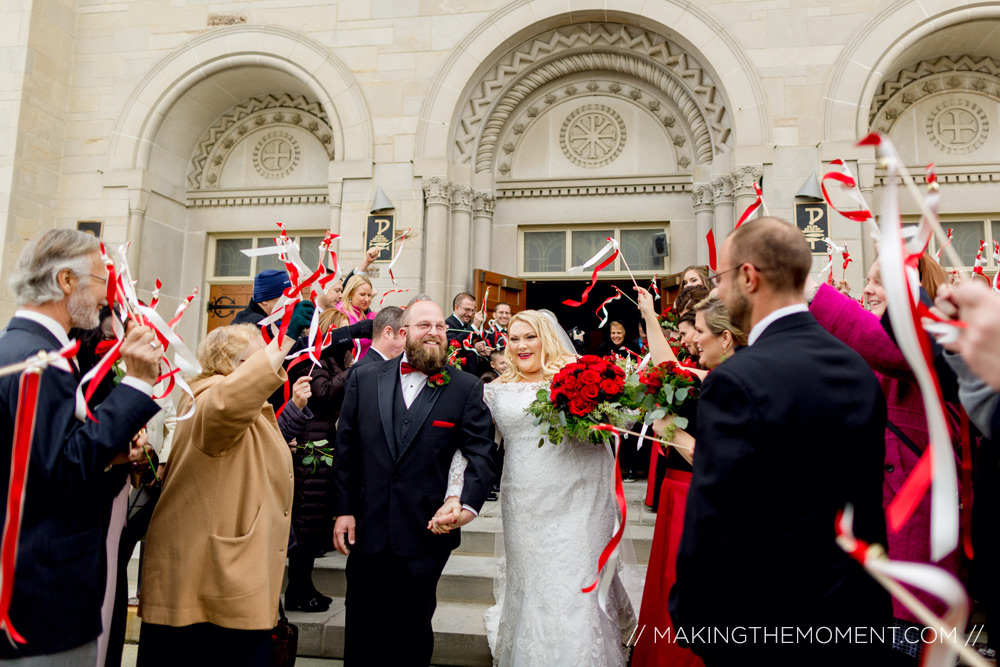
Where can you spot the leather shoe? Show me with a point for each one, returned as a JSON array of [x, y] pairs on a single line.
[[492, 495], [312, 604]]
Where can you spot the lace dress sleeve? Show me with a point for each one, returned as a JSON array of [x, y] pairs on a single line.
[[456, 475]]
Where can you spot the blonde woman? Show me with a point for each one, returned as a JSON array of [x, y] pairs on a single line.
[[558, 514], [356, 304], [216, 544]]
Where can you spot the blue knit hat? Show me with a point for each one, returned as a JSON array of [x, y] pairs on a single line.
[[269, 284]]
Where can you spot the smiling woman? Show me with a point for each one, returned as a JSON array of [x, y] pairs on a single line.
[[533, 351]]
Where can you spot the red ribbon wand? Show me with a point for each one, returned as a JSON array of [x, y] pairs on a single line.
[[609, 557], [24, 429]]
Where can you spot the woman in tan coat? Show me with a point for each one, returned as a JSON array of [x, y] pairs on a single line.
[[217, 542]]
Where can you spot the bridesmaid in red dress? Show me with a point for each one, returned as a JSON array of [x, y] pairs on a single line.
[[716, 338]]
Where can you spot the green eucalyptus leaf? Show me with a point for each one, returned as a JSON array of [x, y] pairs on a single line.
[[320, 443], [668, 392], [659, 413], [308, 460], [681, 394], [562, 418], [328, 460], [680, 422]]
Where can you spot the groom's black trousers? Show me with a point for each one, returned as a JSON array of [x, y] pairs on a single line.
[[390, 603]]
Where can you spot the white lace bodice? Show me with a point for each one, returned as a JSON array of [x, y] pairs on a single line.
[[558, 513]]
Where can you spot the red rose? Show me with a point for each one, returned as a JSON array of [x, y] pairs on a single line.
[[610, 387], [588, 359], [590, 377], [570, 383], [590, 391], [579, 406], [599, 366]]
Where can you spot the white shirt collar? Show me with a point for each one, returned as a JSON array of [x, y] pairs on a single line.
[[378, 352], [50, 324], [759, 328]]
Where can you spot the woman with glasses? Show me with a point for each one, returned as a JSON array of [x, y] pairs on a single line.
[[715, 335]]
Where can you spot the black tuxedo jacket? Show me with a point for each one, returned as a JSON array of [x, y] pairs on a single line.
[[60, 567], [393, 497], [789, 431]]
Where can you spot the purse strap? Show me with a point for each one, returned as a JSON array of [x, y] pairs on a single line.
[[281, 612]]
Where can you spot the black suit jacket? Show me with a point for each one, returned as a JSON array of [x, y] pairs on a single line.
[[789, 431], [60, 567], [392, 498]]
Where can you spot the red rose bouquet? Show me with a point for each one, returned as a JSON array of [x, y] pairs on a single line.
[[665, 387], [455, 360], [585, 392], [669, 318]]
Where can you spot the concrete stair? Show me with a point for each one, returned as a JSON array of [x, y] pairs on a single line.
[[465, 590]]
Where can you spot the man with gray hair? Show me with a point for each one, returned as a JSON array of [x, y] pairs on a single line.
[[388, 337], [60, 282]]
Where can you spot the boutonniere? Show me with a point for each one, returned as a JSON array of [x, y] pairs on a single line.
[[439, 379]]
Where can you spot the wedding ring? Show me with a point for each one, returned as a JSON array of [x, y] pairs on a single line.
[[154, 344]]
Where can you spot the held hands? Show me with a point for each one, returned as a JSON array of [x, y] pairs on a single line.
[[343, 533], [451, 515], [141, 352], [301, 391]]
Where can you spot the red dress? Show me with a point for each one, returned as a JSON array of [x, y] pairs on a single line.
[[651, 647]]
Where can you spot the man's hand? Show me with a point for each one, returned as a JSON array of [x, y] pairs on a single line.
[[343, 533], [483, 349], [137, 451], [844, 287], [477, 319], [447, 515], [302, 391], [979, 342], [141, 352], [464, 518]]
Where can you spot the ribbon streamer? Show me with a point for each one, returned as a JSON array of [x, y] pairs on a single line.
[[399, 251], [654, 287], [902, 283], [849, 187], [593, 277], [608, 560], [20, 457], [710, 239], [391, 291], [977, 267], [947, 243], [603, 309], [996, 258], [754, 206], [892, 575]]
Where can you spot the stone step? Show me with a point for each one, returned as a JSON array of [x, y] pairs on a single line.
[[479, 537], [459, 633]]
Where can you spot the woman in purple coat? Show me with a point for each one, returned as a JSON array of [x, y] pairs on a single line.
[[906, 431]]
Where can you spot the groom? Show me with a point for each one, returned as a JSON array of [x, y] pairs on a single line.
[[397, 435]]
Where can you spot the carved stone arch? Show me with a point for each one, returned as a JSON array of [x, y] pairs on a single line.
[[242, 46], [693, 29], [596, 47], [703, 129], [870, 58], [595, 88], [961, 74], [220, 139]]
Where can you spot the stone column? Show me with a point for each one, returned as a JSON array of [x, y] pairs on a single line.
[[704, 214], [335, 197], [437, 197], [482, 230], [725, 220], [743, 179], [460, 257], [138, 200]]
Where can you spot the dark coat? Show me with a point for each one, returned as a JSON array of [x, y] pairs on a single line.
[[60, 568], [312, 504], [790, 430], [459, 331], [252, 314], [392, 497]]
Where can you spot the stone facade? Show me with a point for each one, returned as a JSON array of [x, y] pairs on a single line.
[[178, 123]]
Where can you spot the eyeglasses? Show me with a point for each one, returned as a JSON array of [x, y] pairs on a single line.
[[426, 326], [104, 281], [714, 278]]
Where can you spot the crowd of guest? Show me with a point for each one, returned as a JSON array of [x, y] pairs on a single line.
[[227, 497]]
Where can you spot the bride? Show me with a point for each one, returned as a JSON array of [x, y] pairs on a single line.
[[558, 513]]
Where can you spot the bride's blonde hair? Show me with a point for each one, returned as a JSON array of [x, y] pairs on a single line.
[[553, 359]]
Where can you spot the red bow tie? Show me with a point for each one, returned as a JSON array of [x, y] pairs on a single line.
[[406, 367]]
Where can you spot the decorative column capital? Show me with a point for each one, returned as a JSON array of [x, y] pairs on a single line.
[[744, 178], [703, 196], [723, 189], [483, 204], [461, 198], [138, 199], [437, 191]]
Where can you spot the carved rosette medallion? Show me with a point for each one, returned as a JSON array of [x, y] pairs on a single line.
[[276, 154], [592, 136], [957, 126]]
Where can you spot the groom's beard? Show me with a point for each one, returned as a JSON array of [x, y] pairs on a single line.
[[427, 360]]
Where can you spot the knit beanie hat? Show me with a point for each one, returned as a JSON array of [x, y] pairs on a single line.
[[269, 284]]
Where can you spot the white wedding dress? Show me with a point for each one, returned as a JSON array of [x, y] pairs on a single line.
[[558, 514]]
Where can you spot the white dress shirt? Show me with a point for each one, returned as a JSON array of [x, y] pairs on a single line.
[[759, 328]]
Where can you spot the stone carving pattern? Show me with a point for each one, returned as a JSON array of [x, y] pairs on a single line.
[[928, 77], [592, 136], [437, 191], [461, 198], [703, 196], [744, 178], [723, 189], [227, 131], [276, 155], [957, 126], [609, 47], [483, 204]]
